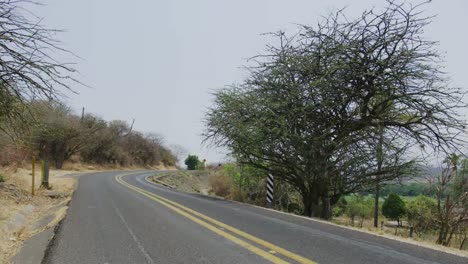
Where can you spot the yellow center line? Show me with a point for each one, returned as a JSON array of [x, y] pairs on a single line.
[[212, 228], [234, 230]]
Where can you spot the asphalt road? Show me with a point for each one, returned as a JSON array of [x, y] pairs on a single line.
[[125, 219]]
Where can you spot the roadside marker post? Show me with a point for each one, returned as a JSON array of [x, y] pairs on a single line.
[[33, 163], [42, 171], [45, 174], [270, 190]]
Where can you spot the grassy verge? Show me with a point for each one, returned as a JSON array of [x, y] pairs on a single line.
[[187, 181]]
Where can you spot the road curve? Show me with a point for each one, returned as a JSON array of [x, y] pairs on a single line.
[[119, 217]]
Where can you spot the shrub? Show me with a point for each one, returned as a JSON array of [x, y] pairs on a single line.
[[2, 179], [192, 161], [358, 206], [420, 212], [394, 207], [220, 184], [340, 207], [200, 165]]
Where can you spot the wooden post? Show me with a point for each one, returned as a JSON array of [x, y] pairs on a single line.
[[33, 163]]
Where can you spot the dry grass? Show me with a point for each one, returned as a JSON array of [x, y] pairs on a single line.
[[20, 210], [400, 234], [193, 181], [220, 184], [81, 167]]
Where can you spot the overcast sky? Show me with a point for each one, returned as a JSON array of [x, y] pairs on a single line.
[[158, 61]]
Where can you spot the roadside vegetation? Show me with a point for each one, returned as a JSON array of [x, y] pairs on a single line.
[[35, 122], [344, 114], [51, 131], [417, 216]]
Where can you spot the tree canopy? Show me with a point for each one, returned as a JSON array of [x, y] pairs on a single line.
[[29, 68], [315, 106], [394, 207], [191, 162]]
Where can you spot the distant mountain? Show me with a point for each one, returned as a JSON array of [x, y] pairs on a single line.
[[432, 171]]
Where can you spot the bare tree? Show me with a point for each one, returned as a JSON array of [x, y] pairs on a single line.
[[451, 188], [28, 67], [179, 151]]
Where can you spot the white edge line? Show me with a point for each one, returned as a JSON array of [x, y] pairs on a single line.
[[401, 240]]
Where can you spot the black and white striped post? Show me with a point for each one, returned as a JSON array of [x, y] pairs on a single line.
[[270, 189]]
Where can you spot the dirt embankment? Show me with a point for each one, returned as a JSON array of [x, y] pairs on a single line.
[[23, 215], [187, 181]]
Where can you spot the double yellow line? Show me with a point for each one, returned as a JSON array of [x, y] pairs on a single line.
[[218, 227]]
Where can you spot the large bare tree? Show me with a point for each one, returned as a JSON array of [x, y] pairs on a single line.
[[28, 65]]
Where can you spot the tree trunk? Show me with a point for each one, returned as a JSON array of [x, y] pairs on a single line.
[[376, 205], [307, 203], [326, 209], [310, 202], [447, 240], [59, 163], [462, 244], [380, 158], [442, 234]]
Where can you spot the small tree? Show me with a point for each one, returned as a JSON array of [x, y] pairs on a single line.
[[192, 161], [451, 189], [420, 213], [201, 165], [358, 206], [394, 207], [340, 207]]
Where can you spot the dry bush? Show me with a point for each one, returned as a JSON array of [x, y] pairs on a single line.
[[237, 194], [220, 184], [13, 155]]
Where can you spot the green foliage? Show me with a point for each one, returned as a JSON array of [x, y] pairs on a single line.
[[2, 178], [409, 189], [359, 206], [201, 165], [235, 173], [420, 213], [340, 207], [459, 185], [191, 162], [452, 198], [317, 130], [394, 207]]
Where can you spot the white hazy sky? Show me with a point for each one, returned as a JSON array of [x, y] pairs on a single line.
[[158, 61]]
